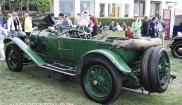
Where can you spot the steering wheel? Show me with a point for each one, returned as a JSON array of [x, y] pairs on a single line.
[[84, 33]]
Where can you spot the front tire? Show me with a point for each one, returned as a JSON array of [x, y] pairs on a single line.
[[14, 58], [100, 80], [177, 49]]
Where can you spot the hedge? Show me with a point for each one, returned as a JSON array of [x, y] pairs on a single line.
[[104, 20], [6, 18], [107, 20]]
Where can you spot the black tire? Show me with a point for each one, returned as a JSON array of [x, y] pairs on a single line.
[[159, 70], [14, 58], [112, 71], [144, 69], [175, 49]]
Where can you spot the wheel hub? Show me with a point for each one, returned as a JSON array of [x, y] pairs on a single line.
[[95, 82], [99, 81], [180, 50]]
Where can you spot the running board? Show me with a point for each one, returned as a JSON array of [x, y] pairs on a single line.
[[60, 68]]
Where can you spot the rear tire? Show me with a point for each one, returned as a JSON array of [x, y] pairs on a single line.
[[100, 80], [159, 70], [14, 58]]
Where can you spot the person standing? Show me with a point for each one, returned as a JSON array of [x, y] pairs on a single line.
[[9, 19], [78, 19], [14, 25], [145, 27], [153, 28], [86, 18], [27, 24], [62, 20], [69, 20], [161, 26], [136, 27], [53, 19], [3, 34]]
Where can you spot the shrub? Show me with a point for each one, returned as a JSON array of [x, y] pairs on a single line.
[[107, 21], [104, 20], [5, 18]]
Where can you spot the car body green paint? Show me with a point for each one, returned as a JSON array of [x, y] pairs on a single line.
[[114, 58], [26, 50], [64, 50], [49, 47]]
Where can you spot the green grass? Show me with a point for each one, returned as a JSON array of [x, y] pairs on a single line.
[[33, 85]]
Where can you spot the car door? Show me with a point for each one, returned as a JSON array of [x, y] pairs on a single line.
[[63, 44]]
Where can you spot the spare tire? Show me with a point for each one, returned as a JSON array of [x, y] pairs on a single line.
[[144, 69], [159, 70]]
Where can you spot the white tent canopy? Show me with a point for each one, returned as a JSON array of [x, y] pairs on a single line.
[[176, 18]]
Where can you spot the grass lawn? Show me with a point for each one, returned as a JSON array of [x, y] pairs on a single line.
[[33, 85]]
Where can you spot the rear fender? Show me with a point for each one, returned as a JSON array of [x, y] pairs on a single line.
[[111, 56], [28, 51]]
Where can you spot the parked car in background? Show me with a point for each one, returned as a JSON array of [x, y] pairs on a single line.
[[176, 47]]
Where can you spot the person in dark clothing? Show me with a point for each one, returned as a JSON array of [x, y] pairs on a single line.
[[111, 26], [93, 26], [63, 21], [14, 25], [100, 27], [53, 19], [145, 27], [153, 28]]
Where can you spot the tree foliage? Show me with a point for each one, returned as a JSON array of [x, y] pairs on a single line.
[[44, 5], [18, 5]]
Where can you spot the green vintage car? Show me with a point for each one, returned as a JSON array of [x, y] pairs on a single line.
[[104, 69]]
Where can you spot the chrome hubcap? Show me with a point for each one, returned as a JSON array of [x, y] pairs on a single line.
[[95, 82], [180, 50]]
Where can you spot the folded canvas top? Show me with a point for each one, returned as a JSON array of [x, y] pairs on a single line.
[[137, 44]]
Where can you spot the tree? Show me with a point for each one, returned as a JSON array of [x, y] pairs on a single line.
[[2, 7], [44, 5], [15, 5], [27, 5]]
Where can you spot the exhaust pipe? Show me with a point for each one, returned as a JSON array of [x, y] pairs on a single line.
[[141, 91]]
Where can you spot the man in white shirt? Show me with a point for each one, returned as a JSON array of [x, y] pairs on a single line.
[[161, 27], [86, 18]]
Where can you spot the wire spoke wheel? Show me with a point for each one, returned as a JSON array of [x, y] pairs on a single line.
[[98, 81], [159, 70], [163, 69], [14, 58]]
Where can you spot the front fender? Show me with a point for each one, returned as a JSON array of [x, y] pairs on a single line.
[[177, 38], [113, 57], [27, 50]]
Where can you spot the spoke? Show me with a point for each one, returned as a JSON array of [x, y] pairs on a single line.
[[108, 90]]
